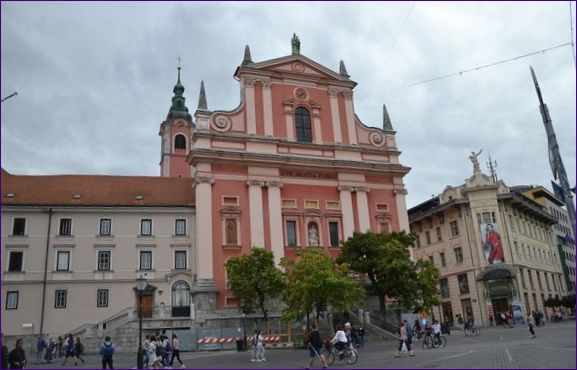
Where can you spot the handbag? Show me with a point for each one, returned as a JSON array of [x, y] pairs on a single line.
[[404, 347]]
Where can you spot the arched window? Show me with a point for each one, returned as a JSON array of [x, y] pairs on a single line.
[[179, 142], [180, 299], [303, 125]]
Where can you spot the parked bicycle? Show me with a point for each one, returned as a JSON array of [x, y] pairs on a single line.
[[349, 355]]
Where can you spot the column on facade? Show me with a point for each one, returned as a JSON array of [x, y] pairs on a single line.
[[267, 108], [250, 104], [349, 111], [256, 214], [318, 134], [347, 209], [275, 217], [400, 199], [335, 116], [289, 121], [203, 192], [363, 209]]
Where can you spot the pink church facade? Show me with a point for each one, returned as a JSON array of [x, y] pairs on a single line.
[[292, 166]]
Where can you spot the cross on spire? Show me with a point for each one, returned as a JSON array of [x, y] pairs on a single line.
[[178, 67]]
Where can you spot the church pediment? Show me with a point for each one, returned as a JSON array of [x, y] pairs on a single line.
[[296, 65]]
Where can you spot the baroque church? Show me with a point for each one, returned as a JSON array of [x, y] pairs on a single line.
[[292, 166]]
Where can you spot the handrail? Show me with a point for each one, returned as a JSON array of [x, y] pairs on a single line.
[[106, 320]]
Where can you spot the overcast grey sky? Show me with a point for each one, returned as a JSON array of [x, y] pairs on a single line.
[[94, 80]]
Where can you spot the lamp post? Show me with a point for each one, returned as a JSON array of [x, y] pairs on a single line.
[[244, 343], [141, 284]]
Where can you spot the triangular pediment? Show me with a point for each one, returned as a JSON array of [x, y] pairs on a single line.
[[296, 65]]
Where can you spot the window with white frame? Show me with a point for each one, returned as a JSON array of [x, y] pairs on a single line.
[[454, 228], [19, 226], [145, 260], [60, 297], [180, 227], [102, 298], [146, 227], [12, 300], [105, 227], [16, 261], [103, 260], [62, 261], [65, 227], [180, 260], [458, 254], [291, 233]]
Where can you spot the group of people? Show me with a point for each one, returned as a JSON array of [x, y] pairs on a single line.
[[160, 351], [345, 337]]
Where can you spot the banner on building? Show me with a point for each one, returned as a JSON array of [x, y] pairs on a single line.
[[559, 193], [492, 245], [517, 312]]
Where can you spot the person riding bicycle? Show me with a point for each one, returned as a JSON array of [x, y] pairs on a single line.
[[340, 340], [437, 330]]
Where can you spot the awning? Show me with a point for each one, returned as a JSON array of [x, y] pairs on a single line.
[[501, 271]]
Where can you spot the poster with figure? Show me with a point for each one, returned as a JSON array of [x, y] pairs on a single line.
[[492, 246]]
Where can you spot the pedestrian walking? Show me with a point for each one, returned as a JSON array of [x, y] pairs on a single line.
[[60, 347], [315, 347], [167, 351], [530, 322], [361, 334], [78, 351], [175, 350], [151, 351], [257, 347], [50, 351], [404, 345], [17, 357], [145, 345], [107, 353], [491, 320], [69, 346], [4, 353], [40, 349]]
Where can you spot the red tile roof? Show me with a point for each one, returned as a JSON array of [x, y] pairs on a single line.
[[96, 190]]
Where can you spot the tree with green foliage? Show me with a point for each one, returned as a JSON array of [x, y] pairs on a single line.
[[552, 302], [386, 261], [568, 301], [313, 281], [254, 280]]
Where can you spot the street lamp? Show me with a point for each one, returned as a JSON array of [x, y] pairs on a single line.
[[141, 284], [244, 342]]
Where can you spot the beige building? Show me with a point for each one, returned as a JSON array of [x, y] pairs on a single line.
[[73, 246], [494, 248]]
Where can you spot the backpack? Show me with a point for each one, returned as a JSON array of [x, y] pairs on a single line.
[[168, 347], [159, 349], [107, 350]]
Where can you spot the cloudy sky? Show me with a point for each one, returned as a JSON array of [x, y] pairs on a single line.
[[94, 80]]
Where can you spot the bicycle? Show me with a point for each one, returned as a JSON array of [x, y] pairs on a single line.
[[431, 341], [349, 355], [472, 330]]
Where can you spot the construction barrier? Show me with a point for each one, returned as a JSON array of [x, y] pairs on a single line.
[[265, 338]]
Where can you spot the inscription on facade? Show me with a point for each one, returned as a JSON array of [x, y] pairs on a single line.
[[308, 174]]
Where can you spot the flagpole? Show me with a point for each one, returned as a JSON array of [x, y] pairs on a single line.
[[555, 161]]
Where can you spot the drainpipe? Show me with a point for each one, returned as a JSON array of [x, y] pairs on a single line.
[[45, 271], [481, 304]]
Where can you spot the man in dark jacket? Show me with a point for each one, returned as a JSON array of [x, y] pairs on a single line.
[[4, 353], [107, 351], [17, 357], [315, 347]]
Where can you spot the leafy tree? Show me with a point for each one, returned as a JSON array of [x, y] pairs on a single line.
[[385, 259], [253, 279], [553, 302], [568, 301], [314, 281], [426, 284]]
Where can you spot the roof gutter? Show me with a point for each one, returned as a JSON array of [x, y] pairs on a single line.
[[45, 271]]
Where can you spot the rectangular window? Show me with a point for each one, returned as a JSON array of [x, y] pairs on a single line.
[[512, 223], [439, 236], [454, 228], [19, 226], [516, 247], [180, 260], [105, 226], [432, 259], [60, 299], [430, 222], [15, 263], [334, 233], [146, 227], [145, 260], [441, 218], [65, 227], [463, 283], [428, 236], [539, 280], [443, 261], [291, 233], [102, 298], [180, 227], [12, 300], [522, 275], [547, 281], [458, 255], [62, 261], [531, 279], [103, 260], [445, 291]]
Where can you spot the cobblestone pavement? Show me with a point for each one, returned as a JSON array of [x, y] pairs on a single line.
[[554, 347]]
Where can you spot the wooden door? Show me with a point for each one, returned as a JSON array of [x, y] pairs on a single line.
[[146, 305]]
